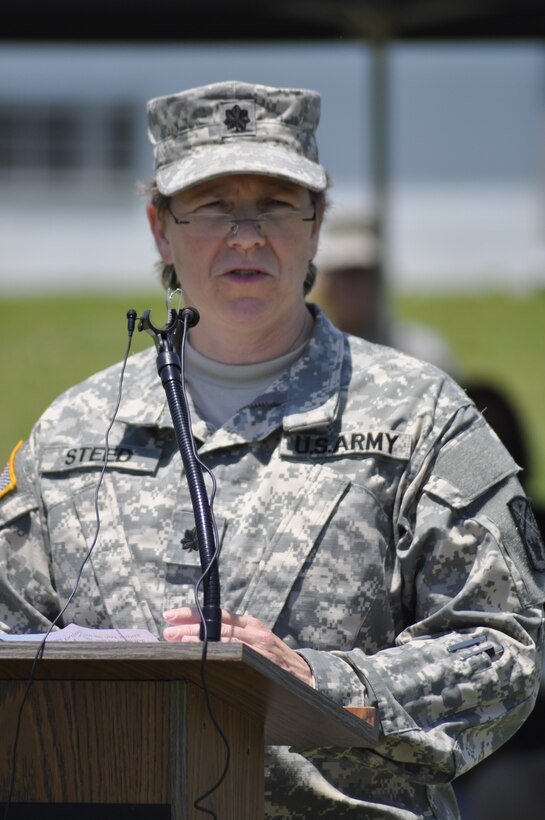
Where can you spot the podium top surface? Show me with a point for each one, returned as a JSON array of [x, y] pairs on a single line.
[[292, 712]]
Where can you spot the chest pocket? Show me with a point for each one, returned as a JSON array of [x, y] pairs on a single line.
[[182, 559], [109, 592]]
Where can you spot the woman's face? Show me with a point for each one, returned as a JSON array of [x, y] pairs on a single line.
[[248, 276]]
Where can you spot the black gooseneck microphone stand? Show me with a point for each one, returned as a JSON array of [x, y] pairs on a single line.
[[168, 342]]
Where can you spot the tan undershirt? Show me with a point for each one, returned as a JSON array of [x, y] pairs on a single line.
[[219, 389]]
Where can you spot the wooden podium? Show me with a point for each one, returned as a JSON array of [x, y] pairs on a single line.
[[123, 730]]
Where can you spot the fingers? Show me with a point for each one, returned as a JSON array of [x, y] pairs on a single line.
[[187, 614], [184, 614], [184, 624]]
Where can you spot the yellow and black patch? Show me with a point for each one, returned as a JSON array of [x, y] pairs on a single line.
[[8, 479]]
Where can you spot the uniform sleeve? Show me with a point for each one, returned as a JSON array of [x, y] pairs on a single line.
[[28, 600], [465, 669]]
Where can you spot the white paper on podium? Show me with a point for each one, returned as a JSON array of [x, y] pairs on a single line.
[[73, 632]]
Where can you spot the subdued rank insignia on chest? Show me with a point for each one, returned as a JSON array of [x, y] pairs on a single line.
[[190, 540], [526, 524], [237, 119], [349, 442], [8, 479]]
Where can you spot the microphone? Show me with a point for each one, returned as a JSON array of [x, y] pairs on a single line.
[[131, 321], [190, 316], [168, 342]]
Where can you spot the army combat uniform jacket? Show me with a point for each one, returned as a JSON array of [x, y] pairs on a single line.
[[366, 513]]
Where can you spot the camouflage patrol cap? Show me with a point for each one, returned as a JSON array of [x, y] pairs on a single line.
[[235, 128]]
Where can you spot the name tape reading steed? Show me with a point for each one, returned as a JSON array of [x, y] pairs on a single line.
[[61, 459], [386, 442]]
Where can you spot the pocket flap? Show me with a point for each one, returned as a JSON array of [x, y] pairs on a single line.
[[469, 466]]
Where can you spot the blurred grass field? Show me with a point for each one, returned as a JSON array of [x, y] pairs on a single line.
[[50, 343]]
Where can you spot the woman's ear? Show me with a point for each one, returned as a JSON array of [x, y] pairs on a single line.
[[315, 237], [317, 227], [156, 222]]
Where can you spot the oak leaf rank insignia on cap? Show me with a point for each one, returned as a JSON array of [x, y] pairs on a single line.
[[239, 119]]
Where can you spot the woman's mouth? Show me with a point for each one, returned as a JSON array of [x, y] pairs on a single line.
[[246, 274]]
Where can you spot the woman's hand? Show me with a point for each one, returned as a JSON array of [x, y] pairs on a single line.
[[184, 626]]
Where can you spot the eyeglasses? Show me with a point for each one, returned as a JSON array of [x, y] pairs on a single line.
[[279, 224]]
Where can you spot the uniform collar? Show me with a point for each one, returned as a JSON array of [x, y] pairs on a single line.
[[315, 379], [305, 396], [144, 401]]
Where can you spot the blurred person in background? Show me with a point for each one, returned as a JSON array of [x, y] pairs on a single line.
[[351, 288]]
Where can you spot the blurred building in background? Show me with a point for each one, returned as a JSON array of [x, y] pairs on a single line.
[[466, 139]]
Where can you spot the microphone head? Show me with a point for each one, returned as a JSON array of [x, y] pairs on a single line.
[[190, 316], [131, 320]]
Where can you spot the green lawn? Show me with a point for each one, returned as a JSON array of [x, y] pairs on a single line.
[[49, 344]]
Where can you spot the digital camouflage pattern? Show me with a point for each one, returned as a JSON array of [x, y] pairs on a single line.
[[232, 128], [363, 510]]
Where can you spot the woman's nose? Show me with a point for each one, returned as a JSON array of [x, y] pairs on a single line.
[[246, 232]]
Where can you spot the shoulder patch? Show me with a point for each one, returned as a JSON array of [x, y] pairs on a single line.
[[526, 524], [8, 479]]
